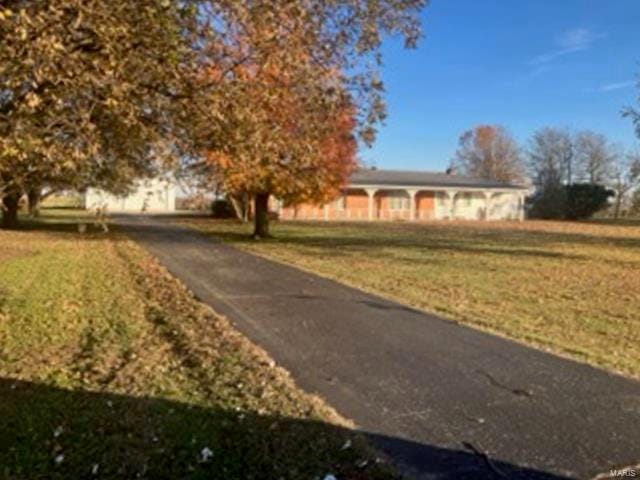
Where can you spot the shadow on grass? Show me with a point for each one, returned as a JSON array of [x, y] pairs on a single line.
[[620, 222], [365, 236], [523, 243], [68, 220], [66, 223], [53, 433], [343, 245], [55, 220], [488, 239]]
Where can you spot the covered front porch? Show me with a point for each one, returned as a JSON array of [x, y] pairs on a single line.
[[415, 204], [441, 204]]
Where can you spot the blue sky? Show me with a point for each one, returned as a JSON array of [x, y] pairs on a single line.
[[524, 64]]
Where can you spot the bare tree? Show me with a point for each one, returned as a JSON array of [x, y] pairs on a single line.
[[551, 154], [626, 178], [550, 164], [489, 151], [595, 157]]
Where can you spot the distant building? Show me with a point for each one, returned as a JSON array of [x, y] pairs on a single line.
[[406, 195], [157, 195]]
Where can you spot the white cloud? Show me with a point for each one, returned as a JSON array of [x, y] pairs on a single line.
[[609, 87], [571, 41], [577, 39]]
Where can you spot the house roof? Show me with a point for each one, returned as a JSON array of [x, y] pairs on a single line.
[[406, 178]]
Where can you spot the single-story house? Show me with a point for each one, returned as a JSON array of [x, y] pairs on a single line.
[[156, 195], [373, 194]]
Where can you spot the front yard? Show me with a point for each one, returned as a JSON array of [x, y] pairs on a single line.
[[572, 288], [109, 368]]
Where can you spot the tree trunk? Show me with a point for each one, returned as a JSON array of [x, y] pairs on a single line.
[[35, 196], [261, 216], [238, 208], [616, 212], [10, 210]]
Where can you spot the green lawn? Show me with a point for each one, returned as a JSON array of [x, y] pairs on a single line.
[[109, 368], [569, 287]]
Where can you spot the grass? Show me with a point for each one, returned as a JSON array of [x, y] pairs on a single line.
[[572, 288], [109, 368]]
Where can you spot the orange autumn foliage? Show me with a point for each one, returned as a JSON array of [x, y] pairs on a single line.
[[490, 152], [288, 141]]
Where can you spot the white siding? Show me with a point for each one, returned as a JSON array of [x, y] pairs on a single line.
[[505, 206], [469, 206], [473, 206], [154, 195]]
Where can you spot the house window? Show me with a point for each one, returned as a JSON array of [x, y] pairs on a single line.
[[341, 203], [398, 201]]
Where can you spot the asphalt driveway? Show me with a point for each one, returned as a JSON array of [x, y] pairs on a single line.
[[443, 400]]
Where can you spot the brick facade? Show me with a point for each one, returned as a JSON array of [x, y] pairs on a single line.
[[354, 205]]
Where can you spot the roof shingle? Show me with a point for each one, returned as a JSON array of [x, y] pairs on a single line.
[[406, 178]]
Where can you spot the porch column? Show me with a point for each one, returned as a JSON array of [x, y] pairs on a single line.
[[521, 199], [487, 204], [326, 212], [371, 192], [451, 203], [412, 204]]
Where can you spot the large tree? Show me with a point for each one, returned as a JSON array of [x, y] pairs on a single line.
[[550, 164], [96, 93], [300, 81], [595, 157], [92, 93], [292, 145], [489, 151], [551, 154]]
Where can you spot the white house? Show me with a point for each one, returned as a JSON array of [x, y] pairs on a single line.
[[156, 195], [372, 194]]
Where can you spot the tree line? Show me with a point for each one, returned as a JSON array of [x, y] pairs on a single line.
[[261, 97], [574, 174]]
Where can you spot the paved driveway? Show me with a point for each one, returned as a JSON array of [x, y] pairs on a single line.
[[445, 401]]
